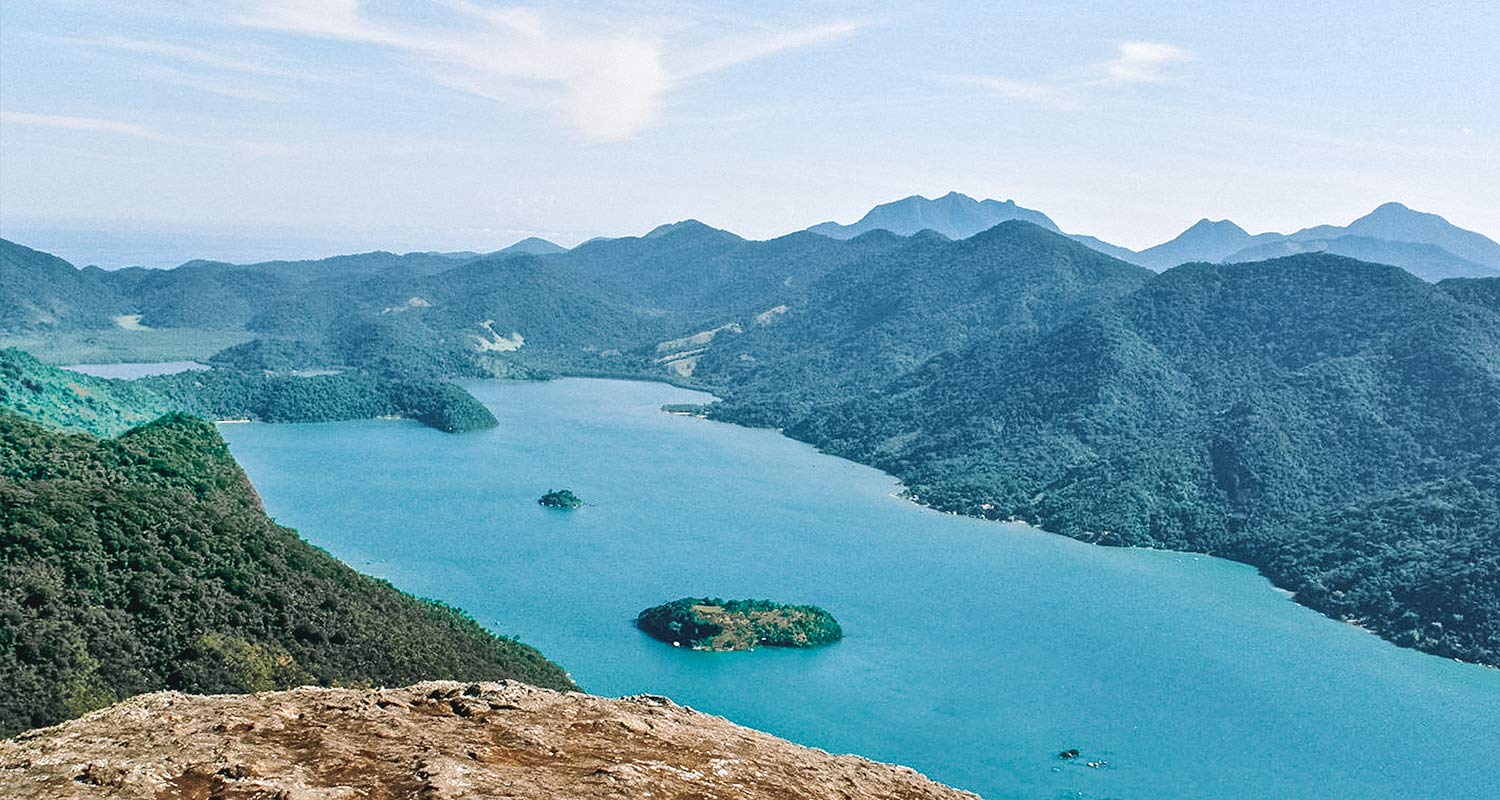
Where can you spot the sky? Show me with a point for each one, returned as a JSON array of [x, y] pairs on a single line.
[[244, 129]]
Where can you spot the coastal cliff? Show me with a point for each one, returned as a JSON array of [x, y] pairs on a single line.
[[438, 739]]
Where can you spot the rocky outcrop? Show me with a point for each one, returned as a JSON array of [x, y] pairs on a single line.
[[431, 740]]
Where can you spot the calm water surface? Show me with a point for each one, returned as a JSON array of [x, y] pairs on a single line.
[[974, 651], [136, 369]]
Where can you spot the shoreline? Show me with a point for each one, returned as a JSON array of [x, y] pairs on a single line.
[[903, 493], [1275, 587]]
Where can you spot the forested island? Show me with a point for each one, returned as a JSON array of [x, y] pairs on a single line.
[[706, 623], [563, 499]]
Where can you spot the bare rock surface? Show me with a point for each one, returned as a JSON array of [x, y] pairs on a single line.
[[433, 741]]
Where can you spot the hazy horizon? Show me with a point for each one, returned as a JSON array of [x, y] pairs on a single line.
[[267, 129], [114, 247]]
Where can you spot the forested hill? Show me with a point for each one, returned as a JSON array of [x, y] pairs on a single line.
[[72, 401], [693, 269], [1482, 292], [1335, 423], [39, 291], [107, 407], [145, 562], [592, 308], [1328, 420], [894, 310]]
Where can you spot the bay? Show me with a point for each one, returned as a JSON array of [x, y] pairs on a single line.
[[974, 651]]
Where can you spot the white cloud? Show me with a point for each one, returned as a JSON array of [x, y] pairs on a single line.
[[138, 131], [1055, 96], [1143, 62], [608, 81], [248, 65], [1137, 62], [725, 54], [91, 124], [221, 88]]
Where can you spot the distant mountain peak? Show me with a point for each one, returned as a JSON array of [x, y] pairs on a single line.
[[1218, 226], [533, 246], [1425, 244], [955, 215], [685, 227], [672, 227], [1206, 240], [1396, 222], [1426, 261], [1393, 211]]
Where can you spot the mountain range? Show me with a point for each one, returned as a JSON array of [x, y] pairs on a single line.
[[1328, 420], [954, 215], [1424, 244]]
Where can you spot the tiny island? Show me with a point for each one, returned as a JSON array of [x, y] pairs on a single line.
[[560, 498], [704, 623]]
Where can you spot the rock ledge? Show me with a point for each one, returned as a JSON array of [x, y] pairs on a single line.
[[433, 740]]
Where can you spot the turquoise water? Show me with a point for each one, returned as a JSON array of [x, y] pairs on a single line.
[[974, 652]]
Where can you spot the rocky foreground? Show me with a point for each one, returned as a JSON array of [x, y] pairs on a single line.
[[432, 740]]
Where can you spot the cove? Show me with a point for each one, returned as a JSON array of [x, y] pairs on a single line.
[[973, 651]]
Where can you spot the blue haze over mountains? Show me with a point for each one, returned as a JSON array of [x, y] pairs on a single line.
[[1424, 244]]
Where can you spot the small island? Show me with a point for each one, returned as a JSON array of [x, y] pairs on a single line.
[[561, 498], [704, 623]]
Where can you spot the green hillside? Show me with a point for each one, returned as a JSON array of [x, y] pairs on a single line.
[[887, 315], [1257, 411], [1335, 423], [39, 291], [598, 308], [73, 401], [1481, 292], [146, 562], [106, 407]]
